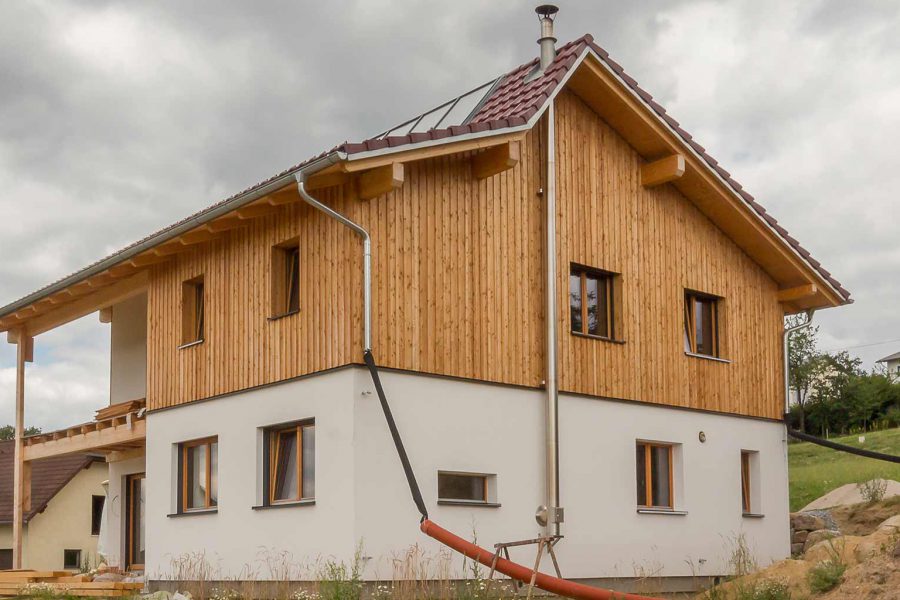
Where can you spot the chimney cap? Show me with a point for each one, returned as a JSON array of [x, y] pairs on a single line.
[[547, 10]]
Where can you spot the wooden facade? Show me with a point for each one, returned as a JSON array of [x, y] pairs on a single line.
[[458, 286]]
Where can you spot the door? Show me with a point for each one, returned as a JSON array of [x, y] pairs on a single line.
[[135, 492]]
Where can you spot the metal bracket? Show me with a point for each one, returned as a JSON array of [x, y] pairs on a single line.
[[542, 542]]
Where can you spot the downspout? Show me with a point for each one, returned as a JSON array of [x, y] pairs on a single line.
[[787, 362]]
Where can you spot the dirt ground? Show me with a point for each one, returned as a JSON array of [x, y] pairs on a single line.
[[863, 519]]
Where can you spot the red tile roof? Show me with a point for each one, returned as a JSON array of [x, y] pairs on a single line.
[[48, 477], [511, 103]]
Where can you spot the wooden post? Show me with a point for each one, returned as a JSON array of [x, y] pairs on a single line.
[[24, 352]]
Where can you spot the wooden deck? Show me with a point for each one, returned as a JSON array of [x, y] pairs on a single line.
[[26, 582]]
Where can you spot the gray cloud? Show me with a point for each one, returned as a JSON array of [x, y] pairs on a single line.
[[119, 118]]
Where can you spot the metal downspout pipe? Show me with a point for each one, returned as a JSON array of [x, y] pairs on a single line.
[[787, 362], [367, 256]]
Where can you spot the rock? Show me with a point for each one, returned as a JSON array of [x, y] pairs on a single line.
[[799, 537], [817, 536], [892, 524], [896, 552], [134, 579], [805, 522], [160, 595], [840, 547], [109, 576], [180, 596], [796, 549]]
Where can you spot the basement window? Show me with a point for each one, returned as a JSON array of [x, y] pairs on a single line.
[[591, 302], [291, 463], [199, 478], [466, 488], [701, 324], [655, 475], [286, 279], [97, 503], [71, 559], [193, 311]]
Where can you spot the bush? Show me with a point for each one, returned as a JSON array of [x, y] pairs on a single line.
[[872, 490], [826, 575], [765, 590]]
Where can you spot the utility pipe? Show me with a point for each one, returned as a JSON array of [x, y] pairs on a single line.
[[787, 361], [367, 256]]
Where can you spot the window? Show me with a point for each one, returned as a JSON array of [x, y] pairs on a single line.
[[467, 488], [286, 278], [71, 559], [751, 499], [5, 559], [591, 301], [96, 513], [199, 475], [192, 311], [291, 475], [654, 475], [701, 324], [745, 482]]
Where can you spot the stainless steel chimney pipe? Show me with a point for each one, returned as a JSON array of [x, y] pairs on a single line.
[[546, 12]]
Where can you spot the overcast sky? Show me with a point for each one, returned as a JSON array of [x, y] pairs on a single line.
[[119, 118]]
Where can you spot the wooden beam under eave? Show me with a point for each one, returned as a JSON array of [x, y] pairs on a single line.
[[254, 211], [285, 195], [495, 160], [109, 437], [381, 180], [226, 224], [106, 314], [198, 236], [662, 171], [801, 292], [318, 182]]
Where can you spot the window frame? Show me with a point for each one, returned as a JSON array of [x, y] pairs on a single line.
[[193, 311], [285, 278], [97, 516], [746, 483], [69, 565], [609, 283], [690, 324], [270, 440], [648, 475], [488, 489], [183, 488]]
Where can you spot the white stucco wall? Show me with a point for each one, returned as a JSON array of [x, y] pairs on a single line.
[[128, 350], [115, 509], [361, 494]]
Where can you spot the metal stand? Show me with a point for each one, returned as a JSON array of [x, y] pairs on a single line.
[[542, 542]]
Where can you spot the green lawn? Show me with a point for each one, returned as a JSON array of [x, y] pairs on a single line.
[[815, 470]]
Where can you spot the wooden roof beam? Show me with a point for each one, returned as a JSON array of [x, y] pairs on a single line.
[[496, 160], [324, 180], [801, 292], [662, 171], [254, 211], [380, 180]]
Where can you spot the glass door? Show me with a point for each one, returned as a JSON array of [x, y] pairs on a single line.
[[135, 492]]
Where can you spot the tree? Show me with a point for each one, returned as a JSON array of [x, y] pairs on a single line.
[[831, 398], [805, 366], [8, 432]]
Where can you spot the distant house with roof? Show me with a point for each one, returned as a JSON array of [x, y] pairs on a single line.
[[62, 525], [892, 365]]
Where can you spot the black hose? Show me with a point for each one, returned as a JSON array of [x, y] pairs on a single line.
[[398, 442], [840, 447]]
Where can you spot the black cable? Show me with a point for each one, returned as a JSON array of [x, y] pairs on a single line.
[[841, 447], [398, 442]]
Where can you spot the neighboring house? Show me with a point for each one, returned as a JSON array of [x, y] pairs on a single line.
[[242, 325], [891, 365], [63, 524]]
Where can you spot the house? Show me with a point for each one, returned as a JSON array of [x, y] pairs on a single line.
[[62, 525], [574, 307], [891, 365]]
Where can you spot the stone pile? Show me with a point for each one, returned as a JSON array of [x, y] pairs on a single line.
[[807, 530]]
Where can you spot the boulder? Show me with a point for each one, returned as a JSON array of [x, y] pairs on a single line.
[[817, 536], [805, 522], [841, 547], [109, 576], [797, 549], [892, 525], [799, 537]]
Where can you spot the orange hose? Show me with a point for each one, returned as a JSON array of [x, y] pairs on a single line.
[[554, 585]]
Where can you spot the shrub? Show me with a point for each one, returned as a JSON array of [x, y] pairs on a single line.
[[872, 490], [826, 575], [765, 590]]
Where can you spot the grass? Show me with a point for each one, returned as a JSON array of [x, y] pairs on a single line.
[[815, 470]]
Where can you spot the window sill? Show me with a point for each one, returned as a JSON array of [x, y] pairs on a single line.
[[304, 502], [748, 515], [661, 511], [707, 357], [601, 338], [468, 503], [191, 344], [191, 513], [283, 315]]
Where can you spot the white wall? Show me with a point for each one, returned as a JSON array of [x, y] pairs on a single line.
[[362, 494], [115, 510], [128, 350]]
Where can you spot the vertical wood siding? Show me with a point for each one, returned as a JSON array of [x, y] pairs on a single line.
[[458, 286]]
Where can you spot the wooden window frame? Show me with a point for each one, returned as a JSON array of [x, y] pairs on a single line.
[[271, 438], [193, 311], [183, 449], [285, 276], [648, 475], [97, 525], [609, 280], [690, 324], [746, 482], [485, 488], [129, 534]]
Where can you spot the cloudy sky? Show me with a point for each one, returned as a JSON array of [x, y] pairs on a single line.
[[118, 118]]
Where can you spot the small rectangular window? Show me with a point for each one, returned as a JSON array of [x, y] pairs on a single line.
[[749, 477], [71, 559], [6, 559], [96, 513], [192, 311], [286, 278], [475, 488], [199, 474], [291, 474], [654, 475], [591, 301], [701, 324]]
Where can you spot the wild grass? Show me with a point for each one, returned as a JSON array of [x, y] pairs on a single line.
[[815, 470]]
